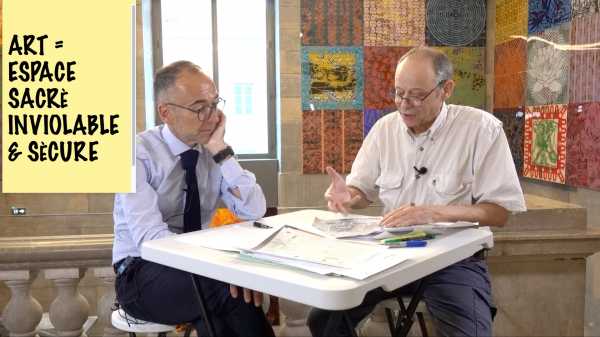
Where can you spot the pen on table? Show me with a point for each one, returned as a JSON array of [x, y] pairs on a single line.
[[408, 244], [260, 225]]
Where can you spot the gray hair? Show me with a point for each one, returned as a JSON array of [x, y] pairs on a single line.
[[442, 66], [166, 77]]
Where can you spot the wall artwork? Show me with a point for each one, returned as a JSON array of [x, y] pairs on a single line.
[[332, 78], [469, 75], [548, 84], [584, 83], [379, 69], [544, 14], [332, 22], [544, 148], [394, 22], [511, 19], [330, 138], [455, 23], [584, 7], [583, 145], [513, 122]]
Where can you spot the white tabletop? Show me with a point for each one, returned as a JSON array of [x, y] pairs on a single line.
[[325, 292]]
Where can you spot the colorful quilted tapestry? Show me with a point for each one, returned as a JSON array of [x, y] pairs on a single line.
[[548, 67], [544, 148], [544, 14], [511, 20], [330, 138], [455, 23], [394, 22], [379, 69], [332, 78], [332, 22], [583, 145], [513, 122], [469, 75], [584, 81], [510, 57], [509, 90]]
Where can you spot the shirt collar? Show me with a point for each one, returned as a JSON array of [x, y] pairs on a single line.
[[437, 124], [176, 146]]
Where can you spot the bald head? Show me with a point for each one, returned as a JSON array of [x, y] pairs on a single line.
[[441, 65], [166, 77]]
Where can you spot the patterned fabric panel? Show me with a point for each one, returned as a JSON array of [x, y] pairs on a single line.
[[394, 22], [469, 75], [584, 82], [332, 78], [548, 67], [583, 145], [332, 22], [380, 67], [455, 23], [544, 14], [545, 138], [513, 122], [511, 19]]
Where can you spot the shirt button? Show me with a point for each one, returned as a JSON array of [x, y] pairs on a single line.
[[421, 148]]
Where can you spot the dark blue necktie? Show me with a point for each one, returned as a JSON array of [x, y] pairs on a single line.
[[191, 216]]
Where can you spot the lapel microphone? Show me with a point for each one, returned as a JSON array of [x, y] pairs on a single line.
[[420, 171]]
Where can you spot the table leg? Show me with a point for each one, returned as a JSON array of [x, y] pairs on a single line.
[[406, 315], [203, 311]]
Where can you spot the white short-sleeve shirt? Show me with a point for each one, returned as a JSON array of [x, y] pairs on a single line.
[[465, 153]]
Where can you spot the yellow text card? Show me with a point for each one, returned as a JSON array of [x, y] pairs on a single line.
[[67, 96]]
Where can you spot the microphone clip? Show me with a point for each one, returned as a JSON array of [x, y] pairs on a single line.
[[420, 171]]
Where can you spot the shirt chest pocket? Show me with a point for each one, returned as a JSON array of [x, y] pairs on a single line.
[[390, 186], [451, 188]]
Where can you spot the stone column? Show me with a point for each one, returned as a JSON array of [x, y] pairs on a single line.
[[106, 302], [69, 310], [23, 313], [295, 314]]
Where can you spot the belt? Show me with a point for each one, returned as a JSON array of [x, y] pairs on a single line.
[[122, 264]]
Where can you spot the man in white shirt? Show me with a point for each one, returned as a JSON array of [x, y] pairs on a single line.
[[183, 169], [432, 162]]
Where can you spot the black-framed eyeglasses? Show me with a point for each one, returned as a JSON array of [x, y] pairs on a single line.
[[413, 100], [205, 111]]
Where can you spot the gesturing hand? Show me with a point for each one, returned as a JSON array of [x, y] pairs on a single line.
[[338, 196]]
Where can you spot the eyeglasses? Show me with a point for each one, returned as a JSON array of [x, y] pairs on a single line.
[[205, 111], [413, 100]]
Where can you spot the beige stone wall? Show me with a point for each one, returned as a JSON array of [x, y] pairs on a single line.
[[62, 214]]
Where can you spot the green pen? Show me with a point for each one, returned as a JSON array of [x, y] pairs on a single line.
[[414, 235]]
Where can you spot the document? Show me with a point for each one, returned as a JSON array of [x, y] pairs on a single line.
[[324, 255], [349, 227]]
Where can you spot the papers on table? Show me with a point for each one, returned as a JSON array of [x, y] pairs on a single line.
[[228, 238], [323, 255], [436, 226], [348, 227]]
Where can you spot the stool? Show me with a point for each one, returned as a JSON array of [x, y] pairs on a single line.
[[123, 321]]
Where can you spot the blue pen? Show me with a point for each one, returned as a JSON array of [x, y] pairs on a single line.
[[408, 244]]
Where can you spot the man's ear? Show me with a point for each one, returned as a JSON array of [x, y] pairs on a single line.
[[163, 112], [448, 88]]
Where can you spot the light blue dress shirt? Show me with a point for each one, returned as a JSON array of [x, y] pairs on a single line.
[[156, 209]]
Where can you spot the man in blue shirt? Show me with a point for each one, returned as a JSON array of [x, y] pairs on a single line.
[[184, 169]]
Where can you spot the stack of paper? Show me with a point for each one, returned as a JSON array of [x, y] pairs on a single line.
[[297, 248]]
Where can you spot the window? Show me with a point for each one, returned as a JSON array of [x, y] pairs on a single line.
[[232, 41]]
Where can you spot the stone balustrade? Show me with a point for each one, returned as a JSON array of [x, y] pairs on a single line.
[[63, 261]]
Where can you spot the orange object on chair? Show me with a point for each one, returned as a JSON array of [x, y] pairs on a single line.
[[223, 216]]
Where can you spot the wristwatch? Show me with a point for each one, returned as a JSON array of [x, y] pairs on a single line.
[[221, 155]]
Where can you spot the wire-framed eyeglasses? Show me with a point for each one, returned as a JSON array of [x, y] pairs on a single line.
[[414, 100], [205, 111]]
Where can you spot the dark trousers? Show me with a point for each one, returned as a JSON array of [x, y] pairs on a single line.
[[458, 298], [160, 294]]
